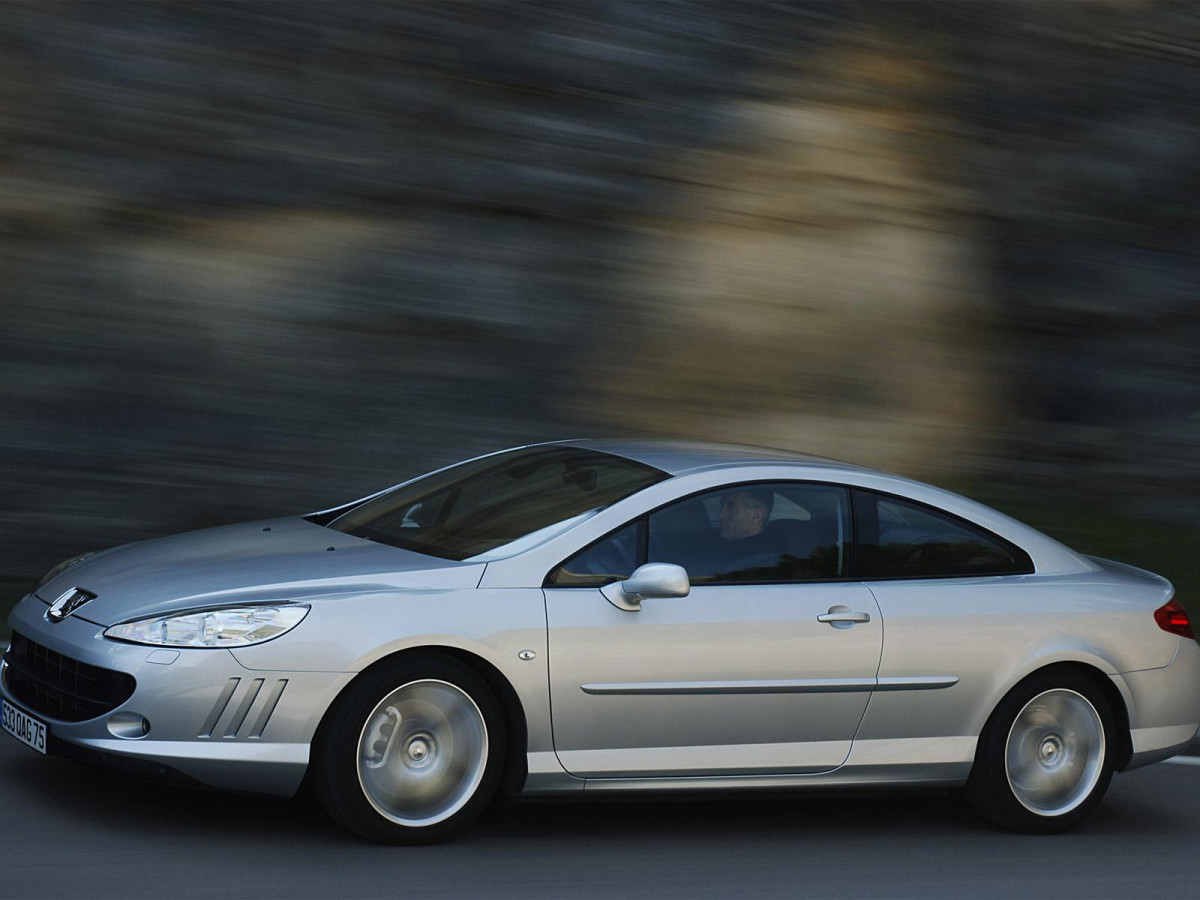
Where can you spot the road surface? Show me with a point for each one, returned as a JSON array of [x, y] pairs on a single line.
[[70, 831]]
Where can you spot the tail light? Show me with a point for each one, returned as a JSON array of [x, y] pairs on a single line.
[[1174, 618]]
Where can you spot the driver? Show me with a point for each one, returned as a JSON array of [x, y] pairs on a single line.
[[744, 514]]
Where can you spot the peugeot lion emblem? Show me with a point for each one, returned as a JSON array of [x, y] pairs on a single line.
[[68, 603]]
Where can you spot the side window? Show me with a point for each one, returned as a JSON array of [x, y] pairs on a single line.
[[901, 539], [761, 532], [612, 558]]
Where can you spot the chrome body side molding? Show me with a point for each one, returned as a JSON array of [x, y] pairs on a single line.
[[778, 686]]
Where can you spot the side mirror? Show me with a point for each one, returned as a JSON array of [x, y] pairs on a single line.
[[646, 582]]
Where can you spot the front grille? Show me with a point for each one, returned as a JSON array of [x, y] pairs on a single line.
[[60, 687]]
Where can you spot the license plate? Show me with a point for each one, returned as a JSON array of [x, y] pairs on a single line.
[[25, 729]]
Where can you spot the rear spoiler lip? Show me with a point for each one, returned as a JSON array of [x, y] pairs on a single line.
[[1144, 575]]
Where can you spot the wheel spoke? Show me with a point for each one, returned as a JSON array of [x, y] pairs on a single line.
[[1055, 752], [435, 759]]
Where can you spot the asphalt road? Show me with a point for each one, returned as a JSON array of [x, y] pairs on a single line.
[[69, 831]]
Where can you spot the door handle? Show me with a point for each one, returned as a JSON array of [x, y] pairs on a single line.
[[843, 618]]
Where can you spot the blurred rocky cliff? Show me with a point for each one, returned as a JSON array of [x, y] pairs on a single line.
[[262, 258]]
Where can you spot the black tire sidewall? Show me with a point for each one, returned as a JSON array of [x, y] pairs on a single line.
[[988, 788], [335, 749]]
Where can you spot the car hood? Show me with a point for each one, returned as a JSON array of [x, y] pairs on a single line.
[[255, 562]]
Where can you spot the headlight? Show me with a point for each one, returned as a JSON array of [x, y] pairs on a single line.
[[62, 567], [214, 627]]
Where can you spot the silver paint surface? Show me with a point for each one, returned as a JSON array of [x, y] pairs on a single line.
[[728, 687]]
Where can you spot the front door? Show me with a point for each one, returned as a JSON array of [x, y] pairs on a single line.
[[734, 679]]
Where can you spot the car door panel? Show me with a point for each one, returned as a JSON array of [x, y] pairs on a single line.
[[732, 679]]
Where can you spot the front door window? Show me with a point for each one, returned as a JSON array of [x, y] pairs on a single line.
[[758, 533]]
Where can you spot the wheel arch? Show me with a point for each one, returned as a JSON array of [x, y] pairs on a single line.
[[1105, 685], [516, 728]]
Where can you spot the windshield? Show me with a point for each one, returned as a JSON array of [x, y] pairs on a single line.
[[483, 505]]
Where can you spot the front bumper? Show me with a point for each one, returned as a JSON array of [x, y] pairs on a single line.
[[211, 720]]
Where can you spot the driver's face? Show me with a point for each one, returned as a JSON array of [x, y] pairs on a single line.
[[740, 517]]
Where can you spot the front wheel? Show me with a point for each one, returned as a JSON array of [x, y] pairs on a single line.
[[412, 752], [1044, 759]]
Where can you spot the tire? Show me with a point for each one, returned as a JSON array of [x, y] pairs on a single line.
[[1045, 757], [412, 751]]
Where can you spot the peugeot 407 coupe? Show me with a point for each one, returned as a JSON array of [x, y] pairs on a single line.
[[588, 617]]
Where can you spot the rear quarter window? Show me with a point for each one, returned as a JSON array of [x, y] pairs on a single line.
[[900, 538]]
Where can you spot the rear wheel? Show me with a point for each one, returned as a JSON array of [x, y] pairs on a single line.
[[412, 752], [1044, 759]]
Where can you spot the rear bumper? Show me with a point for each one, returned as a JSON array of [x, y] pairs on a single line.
[[211, 721], [1164, 706]]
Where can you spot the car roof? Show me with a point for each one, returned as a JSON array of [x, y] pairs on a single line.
[[701, 462], [677, 457]]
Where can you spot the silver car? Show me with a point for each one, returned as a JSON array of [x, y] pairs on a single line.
[[607, 616]]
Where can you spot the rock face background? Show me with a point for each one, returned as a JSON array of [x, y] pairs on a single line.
[[258, 259]]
